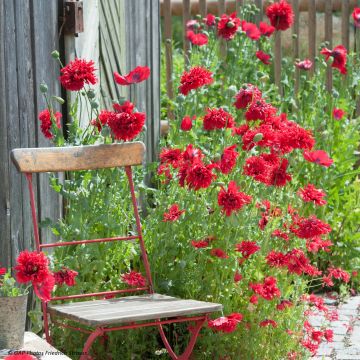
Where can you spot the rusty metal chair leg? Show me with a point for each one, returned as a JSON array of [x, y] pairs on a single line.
[[186, 354], [92, 337]]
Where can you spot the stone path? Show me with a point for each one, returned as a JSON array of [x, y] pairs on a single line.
[[346, 344]]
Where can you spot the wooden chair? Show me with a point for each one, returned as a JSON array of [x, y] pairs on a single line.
[[98, 317]]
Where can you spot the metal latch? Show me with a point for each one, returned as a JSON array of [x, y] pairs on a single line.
[[74, 17]]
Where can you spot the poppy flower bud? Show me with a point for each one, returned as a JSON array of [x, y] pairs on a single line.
[[43, 88], [186, 124], [94, 105], [180, 98], [91, 94], [335, 93], [232, 90], [230, 24], [55, 54], [258, 137], [58, 99], [294, 36], [198, 16]]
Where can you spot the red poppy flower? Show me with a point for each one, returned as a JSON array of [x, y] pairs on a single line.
[[194, 78], [46, 123], [280, 234], [339, 274], [263, 57], [125, 126], [277, 259], [267, 289], [329, 335], [20, 357], [316, 244], [226, 324], [133, 278], [338, 114], [251, 30], [139, 74], [339, 55], [284, 304], [356, 17], [311, 194], [266, 29], [307, 228], [228, 26], [217, 119], [304, 64], [220, 253], [257, 168], [197, 39], [187, 123], [198, 175], [173, 213], [43, 290], [268, 322], [192, 24], [237, 277], [65, 276], [78, 73], [319, 157], [232, 200], [278, 175], [171, 157], [228, 159], [127, 106], [199, 244], [247, 248], [3, 271], [259, 109], [254, 299], [246, 95], [280, 14], [210, 20]]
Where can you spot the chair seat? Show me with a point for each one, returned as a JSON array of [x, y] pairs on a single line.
[[131, 309]]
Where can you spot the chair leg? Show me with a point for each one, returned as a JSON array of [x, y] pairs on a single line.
[[186, 354], [92, 337]]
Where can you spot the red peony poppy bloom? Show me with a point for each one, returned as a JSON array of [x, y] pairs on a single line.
[[266, 29], [267, 289], [194, 78], [339, 54], [339, 274], [284, 304], [307, 228], [338, 114], [199, 244], [246, 95], [171, 157], [254, 299], [226, 324], [220, 253], [46, 123], [133, 278], [228, 26], [197, 39], [251, 30], [280, 14], [237, 277], [20, 357], [311, 194], [2, 271], [278, 175], [65, 276], [268, 322], [319, 157], [217, 119], [125, 126], [259, 109], [139, 74], [316, 244], [210, 20], [356, 17], [232, 200], [263, 57], [43, 290], [173, 213], [127, 106], [280, 234], [304, 64], [247, 248], [198, 175], [187, 123], [228, 159], [78, 73]]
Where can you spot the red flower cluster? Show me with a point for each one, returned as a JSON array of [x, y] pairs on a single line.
[[78, 73], [232, 200], [336, 273], [284, 304], [46, 120], [339, 55], [247, 94], [33, 267], [217, 119], [194, 78], [139, 74], [311, 194], [267, 289], [134, 279], [173, 214], [280, 14], [247, 248], [307, 228], [228, 159], [197, 39], [268, 322], [226, 324], [65, 276], [219, 253], [228, 26]]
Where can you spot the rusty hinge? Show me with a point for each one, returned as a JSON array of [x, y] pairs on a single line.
[[73, 17]]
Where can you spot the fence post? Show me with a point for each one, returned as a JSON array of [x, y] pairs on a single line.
[[203, 8], [328, 38], [238, 5], [186, 18], [296, 49], [312, 32], [345, 28]]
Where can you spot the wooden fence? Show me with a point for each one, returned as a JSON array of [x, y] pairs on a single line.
[[187, 8]]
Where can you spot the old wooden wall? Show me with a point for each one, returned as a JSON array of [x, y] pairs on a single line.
[[28, 34]]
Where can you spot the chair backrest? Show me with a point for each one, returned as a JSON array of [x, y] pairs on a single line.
[[90, 157]]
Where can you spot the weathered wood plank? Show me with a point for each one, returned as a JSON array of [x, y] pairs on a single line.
[[73, 158], [186, 18], [168, 48], [203, 8], [259, 5], [131, 308], [328, 38], [296, 42], [312, 32], [345, 23], [238, 5], [277, 60]]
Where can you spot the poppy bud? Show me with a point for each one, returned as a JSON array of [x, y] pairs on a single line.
[[94, 104], [232, 90], [91, 94], [186, 124], [58, 99], [55, 54], [230, 24], [258, 137], [43, 88]]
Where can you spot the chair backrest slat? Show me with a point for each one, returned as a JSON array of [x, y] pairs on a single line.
[[74, 158]]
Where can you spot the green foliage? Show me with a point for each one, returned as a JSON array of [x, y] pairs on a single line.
[[9, 287]]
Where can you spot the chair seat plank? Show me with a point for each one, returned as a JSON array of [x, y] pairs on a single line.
[[131, 309]]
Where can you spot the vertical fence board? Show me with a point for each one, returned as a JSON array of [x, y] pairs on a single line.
[[168, 48], [203, 7], [277, 60], [345, 24], [328, 38], [259, 16], [186, 18], [312, 32], [238, 5], [296, 42]]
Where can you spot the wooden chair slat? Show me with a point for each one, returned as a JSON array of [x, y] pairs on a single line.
[[73, 158], [131, 309]]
